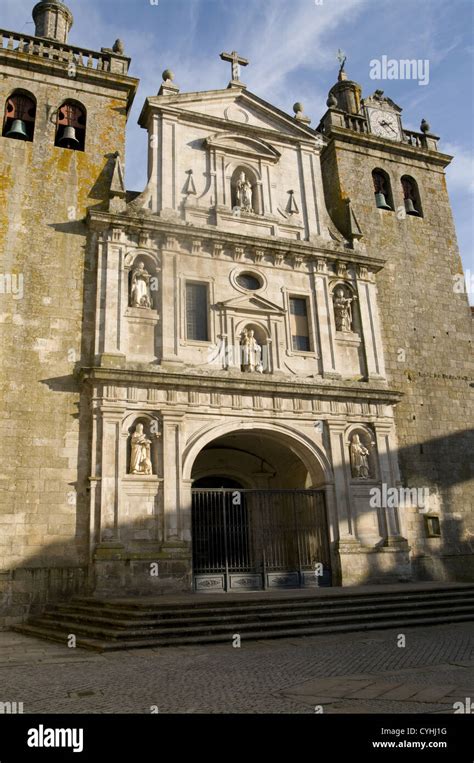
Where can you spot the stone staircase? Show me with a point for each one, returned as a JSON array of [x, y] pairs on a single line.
[[111, 624]]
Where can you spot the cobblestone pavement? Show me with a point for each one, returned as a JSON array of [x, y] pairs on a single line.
[[349, 673]]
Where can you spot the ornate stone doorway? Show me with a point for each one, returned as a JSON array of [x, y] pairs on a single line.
[[258, 521]]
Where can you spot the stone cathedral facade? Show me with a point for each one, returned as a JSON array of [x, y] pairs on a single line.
[[257, 372]]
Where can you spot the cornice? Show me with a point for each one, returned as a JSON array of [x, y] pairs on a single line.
[[308, 389], [100, 221], [342, 136]]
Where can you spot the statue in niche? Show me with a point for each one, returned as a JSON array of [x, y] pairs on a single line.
[[359, 459], [343, 311], [250, 351], [140, 457], [140, 294], [244, 193]]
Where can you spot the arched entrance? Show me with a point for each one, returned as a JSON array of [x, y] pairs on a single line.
[[258, 514]]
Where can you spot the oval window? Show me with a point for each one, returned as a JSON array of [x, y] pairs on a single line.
[[248, 281]]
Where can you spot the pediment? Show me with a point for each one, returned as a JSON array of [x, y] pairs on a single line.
[[242, 145], [231, 109], [380, 101], [252, 304]]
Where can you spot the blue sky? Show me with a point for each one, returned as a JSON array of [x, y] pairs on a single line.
[[292, 47]]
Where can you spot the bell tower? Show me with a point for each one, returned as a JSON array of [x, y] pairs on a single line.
[[63, 112], [394, 180]]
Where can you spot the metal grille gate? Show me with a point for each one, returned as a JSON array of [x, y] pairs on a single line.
[[258, 539]]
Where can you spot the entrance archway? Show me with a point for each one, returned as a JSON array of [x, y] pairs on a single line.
[[258, 514]]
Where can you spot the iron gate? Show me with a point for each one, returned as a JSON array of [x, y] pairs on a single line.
[[257, 539]]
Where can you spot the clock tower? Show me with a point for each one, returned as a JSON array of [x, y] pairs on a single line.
[[393, 182]]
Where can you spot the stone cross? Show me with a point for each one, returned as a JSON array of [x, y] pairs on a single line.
[[236, 61]]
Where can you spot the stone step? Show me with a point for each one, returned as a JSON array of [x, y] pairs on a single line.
[[119, 619], [103, 645], [260, 599], [155, 610], [217, 626]]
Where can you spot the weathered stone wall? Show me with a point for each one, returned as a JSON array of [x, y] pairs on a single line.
[[45, 192], [427, 333]]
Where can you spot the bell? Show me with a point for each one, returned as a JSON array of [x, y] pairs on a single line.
[[410, 208], [68, 138], [380, 201], [17, 130]]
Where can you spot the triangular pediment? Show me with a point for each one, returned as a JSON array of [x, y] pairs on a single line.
[[228, 109], [243, 145], [252, 304]]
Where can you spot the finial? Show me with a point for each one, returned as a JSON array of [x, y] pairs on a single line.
[[298, 108], [424, 127], [168, 87], [119, 47], [331, 102]]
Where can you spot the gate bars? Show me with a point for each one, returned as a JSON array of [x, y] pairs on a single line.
[[254, 539]]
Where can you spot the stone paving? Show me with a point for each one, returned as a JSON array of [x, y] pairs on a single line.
[[355, 673]]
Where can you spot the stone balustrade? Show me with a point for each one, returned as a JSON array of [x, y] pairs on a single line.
[[105, 61], [356, 122], [420, 140]]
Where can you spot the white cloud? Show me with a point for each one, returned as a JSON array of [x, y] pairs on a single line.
[[460, 173]]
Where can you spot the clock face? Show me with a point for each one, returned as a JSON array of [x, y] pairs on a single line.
[[384, 123]]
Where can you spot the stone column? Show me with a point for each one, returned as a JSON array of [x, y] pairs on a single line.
[[171, 301], [110, 476], [383, 432], [169, 127], [94, 483], [112, 268], [341, 488], [172, 477], [324, 320], [352, 559], [185, 511], [370, 324], [154, 186]]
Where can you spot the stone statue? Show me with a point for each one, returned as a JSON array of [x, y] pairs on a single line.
[[343, 311], [140, 460], [140, 294], [251, 352], [244, 193], [359, 459]]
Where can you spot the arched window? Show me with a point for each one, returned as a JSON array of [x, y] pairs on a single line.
[[411, 196], [382, 189], [244, 191], [71, 126], [19, 119]]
